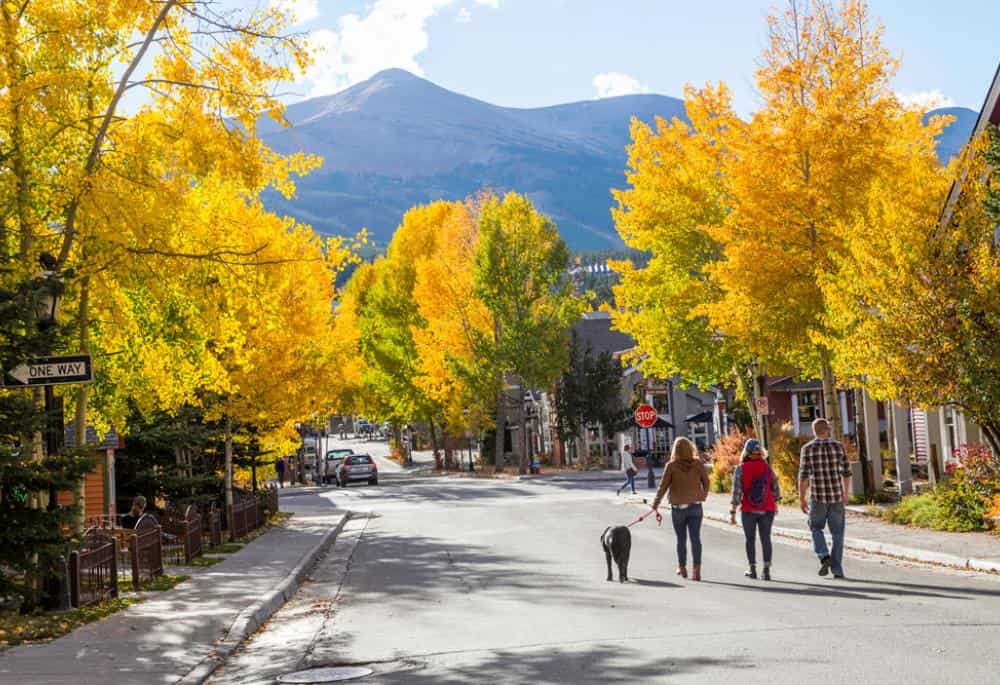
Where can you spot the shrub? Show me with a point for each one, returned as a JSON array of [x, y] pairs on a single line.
[[968, 496], [725, 455], [923, 510], [784, 454]]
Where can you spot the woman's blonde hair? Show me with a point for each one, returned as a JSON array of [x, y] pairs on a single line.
[[683, 449]]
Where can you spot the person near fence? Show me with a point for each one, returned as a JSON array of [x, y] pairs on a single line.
[[756, 493], [135, 513], [279, 466]]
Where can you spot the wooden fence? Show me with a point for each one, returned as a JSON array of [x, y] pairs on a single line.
[[146, 551], [93, 569], [211, 524], [239, 526], [182, 527], [271, 500]]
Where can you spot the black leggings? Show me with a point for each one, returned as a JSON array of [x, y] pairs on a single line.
[[753, 522]]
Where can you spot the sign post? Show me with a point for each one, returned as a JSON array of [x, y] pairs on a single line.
[[645, 416], [50, 371]]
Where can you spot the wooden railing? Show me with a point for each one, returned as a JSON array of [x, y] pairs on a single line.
[[211, 524], [93, 570], [271, 498], [146, 551], [184, 527], [239, 526]]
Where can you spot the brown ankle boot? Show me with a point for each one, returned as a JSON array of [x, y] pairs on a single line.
[[696, 575], [682, 571]]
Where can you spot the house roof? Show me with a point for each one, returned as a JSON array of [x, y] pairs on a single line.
[[595, 328], [989, 114], [790, 384]]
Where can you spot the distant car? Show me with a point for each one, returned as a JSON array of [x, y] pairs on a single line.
[[334, 458], [357, 467]]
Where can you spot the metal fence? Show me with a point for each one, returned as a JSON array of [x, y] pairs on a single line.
[[239, 526], [93, 569]]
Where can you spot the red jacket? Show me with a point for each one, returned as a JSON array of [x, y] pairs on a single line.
[[758, 489]]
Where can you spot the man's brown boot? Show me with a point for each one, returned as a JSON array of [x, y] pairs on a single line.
[[696, 574]]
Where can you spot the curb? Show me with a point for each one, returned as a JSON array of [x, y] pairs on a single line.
[[255, 615], [888, 550]]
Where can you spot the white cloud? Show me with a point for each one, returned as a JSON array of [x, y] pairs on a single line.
[[614, 83], [303, 10], [392, 33], [464, 16], [924, 101]]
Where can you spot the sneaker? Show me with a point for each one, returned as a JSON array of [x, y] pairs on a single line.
[[839, 576], [824, 565], [767, 573], [752, 572]]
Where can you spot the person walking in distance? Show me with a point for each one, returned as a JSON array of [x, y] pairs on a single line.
[[756, 493], [279, 466], [628, 466], [824, 486], [685, 478]]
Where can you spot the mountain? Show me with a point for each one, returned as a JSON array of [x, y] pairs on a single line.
[[397, 140], [953, 139]]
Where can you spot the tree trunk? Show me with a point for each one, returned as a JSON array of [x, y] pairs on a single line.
[[991, 431], [831, 405], [861, 437], [749, 397], [82, 398], [499, 433], [522, 467], [434, 446], [229, 473]]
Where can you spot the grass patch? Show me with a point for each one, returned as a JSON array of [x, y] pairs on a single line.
[[158, 584], [274, 521], [205, 561], [16, 629], [225, 548]]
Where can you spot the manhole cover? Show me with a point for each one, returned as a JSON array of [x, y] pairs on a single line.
[[336, 674]]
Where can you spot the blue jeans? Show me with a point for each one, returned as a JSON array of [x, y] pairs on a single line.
[[687, 523], [629, 482], [821, 515], [753, 522]]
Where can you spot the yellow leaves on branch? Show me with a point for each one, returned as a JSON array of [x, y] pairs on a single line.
[[749, 220], [130, 127]]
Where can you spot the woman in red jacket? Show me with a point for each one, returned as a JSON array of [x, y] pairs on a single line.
[[756, 493]]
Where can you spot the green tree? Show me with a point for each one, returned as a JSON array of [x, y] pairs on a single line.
[[521, 276], [589, 393]]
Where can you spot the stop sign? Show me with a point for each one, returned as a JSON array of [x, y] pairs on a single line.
[[645, 416]]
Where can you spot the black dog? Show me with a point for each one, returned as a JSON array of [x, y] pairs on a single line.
[[617, 543]]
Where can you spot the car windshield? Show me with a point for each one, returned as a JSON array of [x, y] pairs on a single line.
[[338, 454], [358, 459]]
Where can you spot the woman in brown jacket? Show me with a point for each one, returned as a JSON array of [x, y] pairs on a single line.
[[687, 482]]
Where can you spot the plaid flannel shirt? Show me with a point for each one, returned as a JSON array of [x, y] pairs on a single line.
[[824, 464]]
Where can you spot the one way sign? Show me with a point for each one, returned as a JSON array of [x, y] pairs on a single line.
[[51, 371]]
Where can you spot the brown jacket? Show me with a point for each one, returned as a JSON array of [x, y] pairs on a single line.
[[687, 481]]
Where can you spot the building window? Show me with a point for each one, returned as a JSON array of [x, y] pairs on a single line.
[[699, 435], [810, 405], [661, 403]]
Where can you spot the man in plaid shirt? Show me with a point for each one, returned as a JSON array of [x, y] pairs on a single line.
[[824, 486]]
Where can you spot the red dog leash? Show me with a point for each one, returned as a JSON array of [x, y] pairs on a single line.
[[659, 518]]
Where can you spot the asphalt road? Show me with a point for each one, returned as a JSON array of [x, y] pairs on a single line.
[[477, 581]]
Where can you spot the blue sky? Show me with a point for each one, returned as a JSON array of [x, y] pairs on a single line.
[[528, 53]]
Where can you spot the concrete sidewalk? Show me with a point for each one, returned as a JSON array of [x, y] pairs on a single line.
[[973, 551], [179, 634]]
